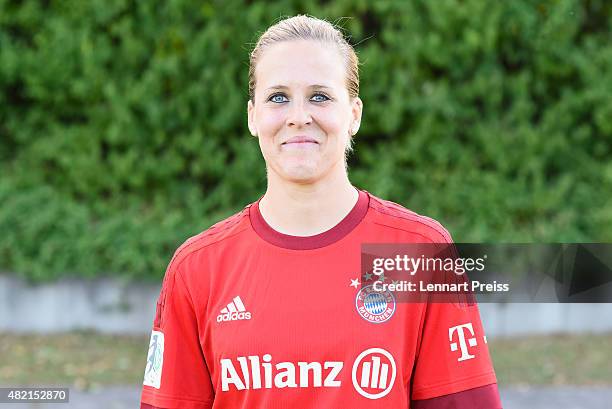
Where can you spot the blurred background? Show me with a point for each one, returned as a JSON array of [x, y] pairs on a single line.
[[123, 132]]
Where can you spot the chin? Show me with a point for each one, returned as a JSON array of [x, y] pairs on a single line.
[[302, 173]]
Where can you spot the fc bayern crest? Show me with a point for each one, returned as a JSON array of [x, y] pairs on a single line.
[[375, 306]]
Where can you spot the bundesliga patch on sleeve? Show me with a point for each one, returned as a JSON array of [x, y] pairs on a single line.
[[155, 360]]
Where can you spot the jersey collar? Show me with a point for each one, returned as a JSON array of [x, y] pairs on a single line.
[[344, 227]]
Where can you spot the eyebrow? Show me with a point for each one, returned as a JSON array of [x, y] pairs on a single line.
[[276, 87]]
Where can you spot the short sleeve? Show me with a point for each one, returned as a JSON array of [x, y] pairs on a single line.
[[453, 355], [176, 374]]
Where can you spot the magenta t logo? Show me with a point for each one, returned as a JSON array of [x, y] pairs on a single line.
[[460, 330]]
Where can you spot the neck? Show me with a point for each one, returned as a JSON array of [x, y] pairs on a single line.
[[307, 209]]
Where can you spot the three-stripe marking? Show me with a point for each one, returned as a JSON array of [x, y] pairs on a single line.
[[235, 306]]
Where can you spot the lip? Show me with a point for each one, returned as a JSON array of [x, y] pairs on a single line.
[[300, 139]]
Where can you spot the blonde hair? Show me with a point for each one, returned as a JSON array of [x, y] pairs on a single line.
[[303, 27]]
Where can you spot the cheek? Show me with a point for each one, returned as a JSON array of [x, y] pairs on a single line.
[[270, 124], [335, 125]]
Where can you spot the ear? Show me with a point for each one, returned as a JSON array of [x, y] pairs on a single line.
[[356, 111], [251, 118]]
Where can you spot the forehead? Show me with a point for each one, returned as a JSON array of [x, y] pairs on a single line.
[[300, 62]]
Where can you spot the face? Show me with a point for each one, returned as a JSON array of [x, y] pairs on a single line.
[[302, 113]]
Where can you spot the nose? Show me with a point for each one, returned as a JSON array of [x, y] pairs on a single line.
[[298, 114]]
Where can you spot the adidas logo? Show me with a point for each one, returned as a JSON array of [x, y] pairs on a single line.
[[234, 311]]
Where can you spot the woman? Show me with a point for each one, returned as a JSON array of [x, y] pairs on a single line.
[[264, 309]]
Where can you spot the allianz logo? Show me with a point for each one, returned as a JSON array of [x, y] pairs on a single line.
[[373, 373]]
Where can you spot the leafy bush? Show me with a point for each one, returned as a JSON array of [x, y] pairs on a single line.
[[123, 123]]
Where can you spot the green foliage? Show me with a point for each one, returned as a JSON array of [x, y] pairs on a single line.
[[123, 123]]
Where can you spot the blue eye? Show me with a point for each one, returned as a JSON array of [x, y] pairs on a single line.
[[322, 98], [278, 98]]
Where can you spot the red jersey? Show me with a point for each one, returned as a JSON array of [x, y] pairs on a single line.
[[252, 318]]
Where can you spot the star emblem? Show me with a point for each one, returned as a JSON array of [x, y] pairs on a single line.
[[354, 283], [367, 276], [381, 278]]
